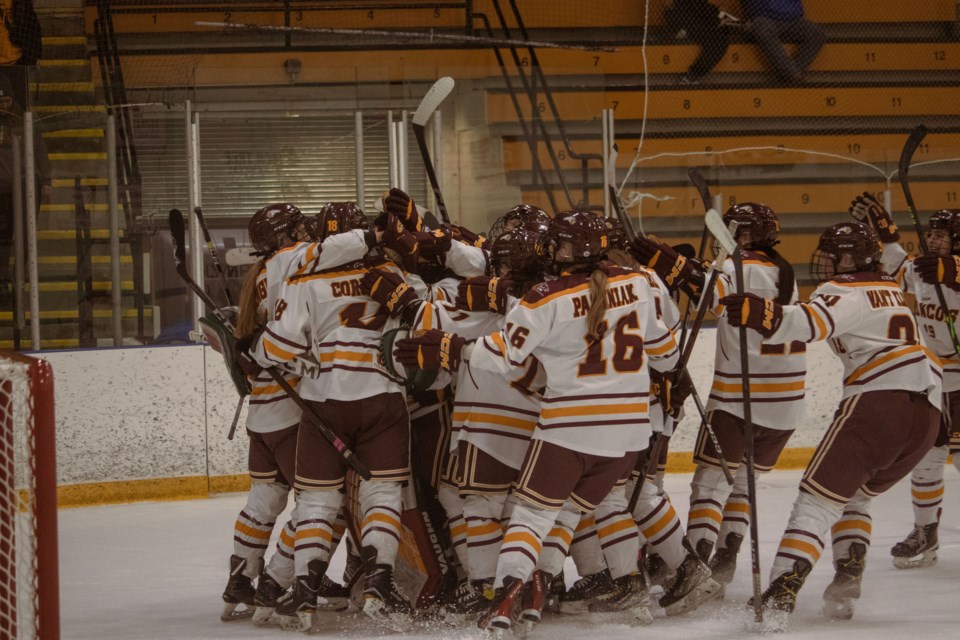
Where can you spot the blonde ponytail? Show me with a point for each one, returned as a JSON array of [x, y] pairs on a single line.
[[596, 325], [247, 320]]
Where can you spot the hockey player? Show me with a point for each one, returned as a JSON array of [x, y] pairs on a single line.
[[594, 329], [919, 277], [886, 422], [279, 233], [324, 312], [719, 513]]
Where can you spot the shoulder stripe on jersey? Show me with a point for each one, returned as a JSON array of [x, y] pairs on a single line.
[[325, 275], [572, 290], [873, 283]]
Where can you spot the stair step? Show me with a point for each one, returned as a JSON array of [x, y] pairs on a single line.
[[92, 207], [73, 314], [84, 86], [71, 234], [58, 286], [58, 343], [63, 62], [72, 157], [74, 133], [64, 40], [68, 183], [72, 260], [70, 108]]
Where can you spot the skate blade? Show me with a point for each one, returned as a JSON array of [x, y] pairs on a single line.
[[300, 622], [522, 628], [706, 590], [575, 607], [232, 612], [924, 560], [376, 610], [332, 604], [839, 609], [265, 617]]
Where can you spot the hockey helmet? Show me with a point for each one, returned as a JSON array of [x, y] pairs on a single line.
[[757, 224], [338, 217], [516, 250], [948, 221], [616, 233], [275, 226], [845, 248], [522, 215]]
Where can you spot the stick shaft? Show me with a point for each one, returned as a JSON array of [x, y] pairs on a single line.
[[418, 133], [214, 257]]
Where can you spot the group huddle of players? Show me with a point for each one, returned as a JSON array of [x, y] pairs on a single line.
[[510, 397]]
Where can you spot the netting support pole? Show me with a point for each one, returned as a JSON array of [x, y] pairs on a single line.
[[609, 162], [18, 249], [392, 150], [112, 194], [358, 137], [193, 195], [402, 168], [30, 207], [48, 579]]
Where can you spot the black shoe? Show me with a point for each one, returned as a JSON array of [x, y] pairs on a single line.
[[239, 592], [841, 594], [577, 599], [781, 595], [919, 549], [723, 564]]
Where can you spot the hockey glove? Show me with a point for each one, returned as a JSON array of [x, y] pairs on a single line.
[[464, 235], [483, 293], [396, 237], [933, 270], [431, 351], [398, 203], [866, 208], [242, 353], [673, 269], [389, 289], [433, 245], [748, 310]]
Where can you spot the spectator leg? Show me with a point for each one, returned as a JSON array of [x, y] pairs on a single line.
[[766, 33], [712, 50], [809, 38]]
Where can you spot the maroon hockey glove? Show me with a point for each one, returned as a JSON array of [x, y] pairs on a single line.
[[433, 244], [242, 354], [748, 310], [431, 351], [673, 269], [389, 289], [396, 237], [681, 387], [464, 235], [933, 270], [866, 208], [483, 293], [398, 203]]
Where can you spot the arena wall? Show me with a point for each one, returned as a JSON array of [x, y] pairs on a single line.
[[151, 423]]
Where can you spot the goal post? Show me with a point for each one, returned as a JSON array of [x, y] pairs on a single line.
[[29, 583]]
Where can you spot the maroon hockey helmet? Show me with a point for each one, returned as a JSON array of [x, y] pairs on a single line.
[[522, 215], [577, 236], [758, 221], [338, 217], [947, 220], [616, 233], [275, 226], [516, 250], [844, 248]]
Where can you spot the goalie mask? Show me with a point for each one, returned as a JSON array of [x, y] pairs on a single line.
[[524, 215], [276, 226], [757, 225], [943, 232], [338, 217], [574, 237], [845, 248]]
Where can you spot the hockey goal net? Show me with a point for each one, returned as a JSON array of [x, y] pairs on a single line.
[[29, 590]]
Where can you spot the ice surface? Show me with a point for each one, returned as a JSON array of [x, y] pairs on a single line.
[[156, 570]]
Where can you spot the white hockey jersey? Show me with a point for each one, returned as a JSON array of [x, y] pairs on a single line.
[[929, 314], [325, 312], [872, 331], [660, 421], [466, 260], [777, 370], [270, 408], [596, 399]]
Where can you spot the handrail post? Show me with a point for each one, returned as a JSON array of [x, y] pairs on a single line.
[[30, 209], [358, 153]]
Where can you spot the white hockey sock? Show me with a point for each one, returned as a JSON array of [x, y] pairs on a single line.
[[855, 525], [809, 522], [556, 545], [736, 511], [585, 549], [926, 486], [708, 493], [280, 566], [254, 525], [659, 524], [523, 541], [314, 538], [484, 533], [618, 534], [381, 504]]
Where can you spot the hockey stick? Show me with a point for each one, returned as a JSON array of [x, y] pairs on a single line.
[[704, 189], [212, 250], [437, 94], [909, 148], [727, 241], [625, 221], [180, 263]]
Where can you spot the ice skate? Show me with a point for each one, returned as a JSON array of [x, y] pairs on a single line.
[[557, 588], [578, 598], [238, 594], [658, 573], [780, 598], [630, 597], [692, 585], [841, 595], [723, 565], [382, 599], [499, 616], [332, 596], [265, 599], [531, 603], [296, 608], [917, 550]]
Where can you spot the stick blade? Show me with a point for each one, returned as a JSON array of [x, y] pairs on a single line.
[[177, 231], [714, 222], [696, 177], [437, 94], [910, 147]]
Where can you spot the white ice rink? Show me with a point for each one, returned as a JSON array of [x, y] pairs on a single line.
[[156, 570]]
